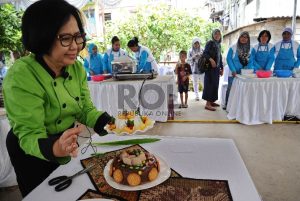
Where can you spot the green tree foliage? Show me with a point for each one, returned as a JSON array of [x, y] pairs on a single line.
[[161, 28], [10, 29]]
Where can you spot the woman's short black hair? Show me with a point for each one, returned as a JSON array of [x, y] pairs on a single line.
[[133, 42], [42, 21], [263, 32], [114, 39]]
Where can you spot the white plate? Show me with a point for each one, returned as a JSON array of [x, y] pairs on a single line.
[[135, 132], [246, 71], [163, 175], [250, 75]]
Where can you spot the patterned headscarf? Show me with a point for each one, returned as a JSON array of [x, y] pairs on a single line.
[[90, 49], [196, 50], [243, 49]]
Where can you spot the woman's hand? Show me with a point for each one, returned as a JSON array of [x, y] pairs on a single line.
[[233, 74], [197, 56], [67, 145], [213, 63]]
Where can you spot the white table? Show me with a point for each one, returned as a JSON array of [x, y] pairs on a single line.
[[115, 96], [7, 173], [200, 158], [263, 100]]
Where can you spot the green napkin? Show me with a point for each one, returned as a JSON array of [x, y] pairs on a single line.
[[127, 142]]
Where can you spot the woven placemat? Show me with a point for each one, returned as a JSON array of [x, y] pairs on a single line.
[[178, 189], [92, 194], [184, 189], [98, 180]]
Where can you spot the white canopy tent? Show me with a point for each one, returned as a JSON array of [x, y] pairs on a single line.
[[23, 4]]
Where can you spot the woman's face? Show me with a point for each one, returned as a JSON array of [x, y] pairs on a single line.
[[196, 45], [134, 48], [286, 36], [217, 36], [59, 55], [116, 46], [244, 39], [95, 50], [264, 38]]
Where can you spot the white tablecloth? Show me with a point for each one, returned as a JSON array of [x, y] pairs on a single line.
[[223, 94], [200, 158], [257, 100], [109, 96], [7, 173]]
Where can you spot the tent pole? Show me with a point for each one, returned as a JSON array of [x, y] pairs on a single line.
[[294, 18]]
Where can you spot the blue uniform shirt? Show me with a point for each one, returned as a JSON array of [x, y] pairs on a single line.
[[234, 62], [110, 56], [262, 56], [93, 62]]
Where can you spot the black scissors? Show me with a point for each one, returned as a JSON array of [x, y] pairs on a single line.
[[65, 181]]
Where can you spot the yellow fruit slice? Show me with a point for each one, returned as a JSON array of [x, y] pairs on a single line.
[[118, 176], [134, 179]]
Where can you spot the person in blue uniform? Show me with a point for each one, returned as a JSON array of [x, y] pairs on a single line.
[[112, 53], [145, 61], [46, 92], [93, 62], [238, 57], [212, 53], [287, 52], [263, 52]]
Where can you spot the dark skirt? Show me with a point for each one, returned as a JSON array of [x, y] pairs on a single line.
[[211, 84], [30, 170]]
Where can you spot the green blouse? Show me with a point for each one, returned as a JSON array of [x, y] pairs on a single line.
[[41, 107]]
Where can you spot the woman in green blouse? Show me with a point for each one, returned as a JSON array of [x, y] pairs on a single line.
[[46, 92]]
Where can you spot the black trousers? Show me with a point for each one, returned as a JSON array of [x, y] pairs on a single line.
[[30, 170]]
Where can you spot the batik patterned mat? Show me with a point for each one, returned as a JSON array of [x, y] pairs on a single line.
[[186, 189], [92, 194], [175, 188]]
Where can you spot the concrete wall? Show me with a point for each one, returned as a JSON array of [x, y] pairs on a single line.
[[242, 14]]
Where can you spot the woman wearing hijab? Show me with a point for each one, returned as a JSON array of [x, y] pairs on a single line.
[[93, 62], [238, 57], [287, 52], [112, 53], [193, 58], [212, 52], [262, 53]]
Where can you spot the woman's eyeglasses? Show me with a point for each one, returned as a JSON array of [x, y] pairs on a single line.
[[67, 39]]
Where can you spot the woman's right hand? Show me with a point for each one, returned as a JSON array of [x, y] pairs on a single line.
[[67, 145], [233, 74], [213, 63]]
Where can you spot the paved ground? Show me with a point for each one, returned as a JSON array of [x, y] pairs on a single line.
[[270, 152]]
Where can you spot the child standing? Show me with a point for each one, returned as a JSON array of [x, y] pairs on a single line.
[[183, 71]]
